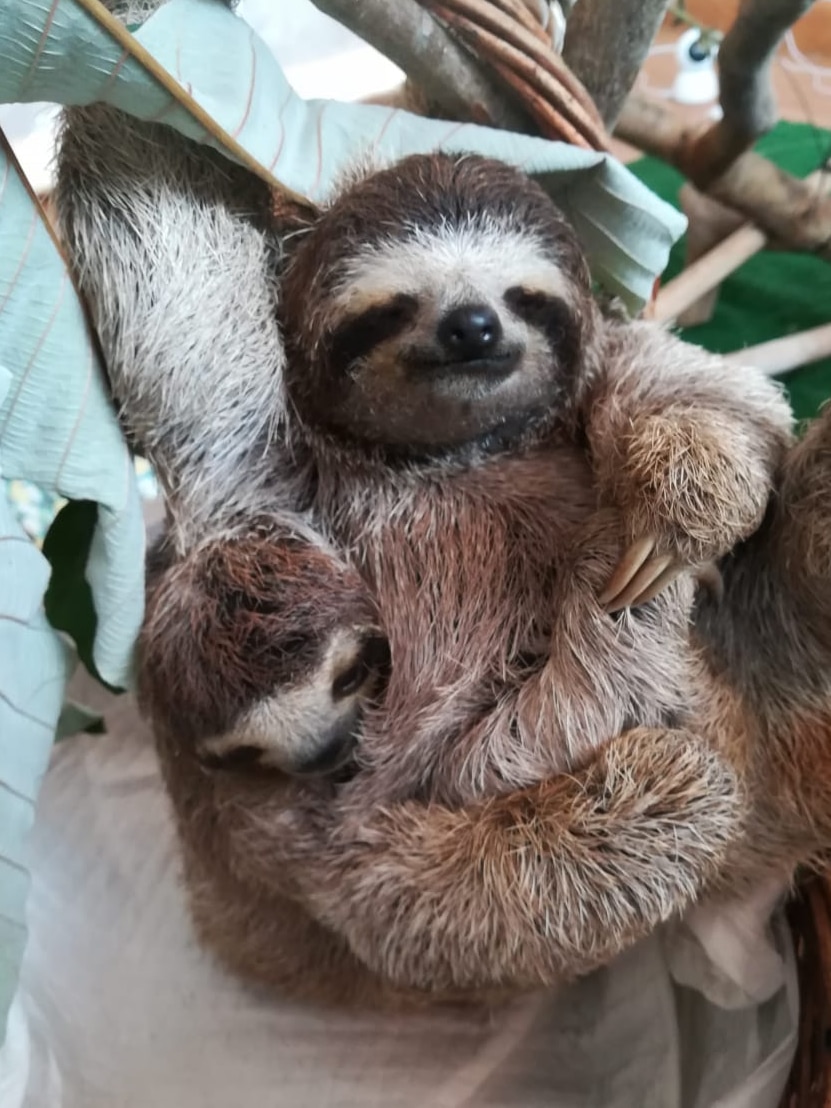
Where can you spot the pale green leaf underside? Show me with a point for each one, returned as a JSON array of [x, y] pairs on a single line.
[[230, 72], [58, 429]]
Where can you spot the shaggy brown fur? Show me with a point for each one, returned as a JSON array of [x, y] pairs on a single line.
[[541, 883], [484, 564], [453, 862]]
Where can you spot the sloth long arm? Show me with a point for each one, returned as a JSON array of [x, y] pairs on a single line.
[[528, 888], [686, 445]]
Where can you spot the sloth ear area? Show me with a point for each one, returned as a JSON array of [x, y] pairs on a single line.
[[291, 220]]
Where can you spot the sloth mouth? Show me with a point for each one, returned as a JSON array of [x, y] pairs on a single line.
[[495, 367]]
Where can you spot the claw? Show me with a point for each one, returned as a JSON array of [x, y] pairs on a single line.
[[647, 577], [630, 564], [658, 585]]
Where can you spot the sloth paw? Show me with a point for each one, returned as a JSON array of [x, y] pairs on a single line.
[[260, 651]]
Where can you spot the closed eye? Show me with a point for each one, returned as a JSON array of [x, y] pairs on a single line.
[[357, 337], [540, 309], [553, 316], [238, 757]]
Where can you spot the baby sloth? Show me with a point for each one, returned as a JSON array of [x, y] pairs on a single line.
[[485, 448], [484, 611]]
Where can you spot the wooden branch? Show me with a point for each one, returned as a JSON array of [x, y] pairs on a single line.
[[706, 272], [746, 93], [708, 224], [796, 213], [788, 353], [574, 99], [606, 45], [535, 72], [444, 70]]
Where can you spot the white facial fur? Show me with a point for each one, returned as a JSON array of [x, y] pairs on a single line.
[[451, 265], [292, 728]]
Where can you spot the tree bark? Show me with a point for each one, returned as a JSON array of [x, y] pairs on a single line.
[[446, 73], [795, 213], [606, 44], [747, 100]]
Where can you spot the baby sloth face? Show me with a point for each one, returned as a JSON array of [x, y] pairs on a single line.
[[434, 304]]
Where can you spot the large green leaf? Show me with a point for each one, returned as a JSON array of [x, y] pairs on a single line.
[[58, 429], [68, 601], [56, 50]]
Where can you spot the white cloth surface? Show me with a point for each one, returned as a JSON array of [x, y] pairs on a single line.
[[118, 1008]]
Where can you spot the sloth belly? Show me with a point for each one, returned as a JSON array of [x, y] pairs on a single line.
[[505, 669]]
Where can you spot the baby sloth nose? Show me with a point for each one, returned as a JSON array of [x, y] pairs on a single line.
[[469, 332]]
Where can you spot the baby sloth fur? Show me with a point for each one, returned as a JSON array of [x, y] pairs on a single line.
[[409, 747]]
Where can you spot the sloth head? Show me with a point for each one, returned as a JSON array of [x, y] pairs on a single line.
[[437, 303]]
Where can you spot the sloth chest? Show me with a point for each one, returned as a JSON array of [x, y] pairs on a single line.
[[469, 570]]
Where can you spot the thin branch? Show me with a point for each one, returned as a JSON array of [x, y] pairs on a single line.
[[447, 73], [572, 98], [535, 72], [606, 45], [747, 99], [789, 352], [794, 212]]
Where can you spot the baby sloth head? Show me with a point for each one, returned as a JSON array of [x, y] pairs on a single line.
[[437, 303]]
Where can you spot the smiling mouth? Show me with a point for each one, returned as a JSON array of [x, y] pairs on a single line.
[[495, 367]]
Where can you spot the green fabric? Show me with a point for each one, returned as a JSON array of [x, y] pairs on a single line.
[[775, 293]]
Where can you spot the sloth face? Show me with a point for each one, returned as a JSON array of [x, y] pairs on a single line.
[[459, 311]]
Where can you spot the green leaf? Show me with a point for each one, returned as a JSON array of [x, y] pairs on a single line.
[[58, 430], [68, 601], [239, 101]]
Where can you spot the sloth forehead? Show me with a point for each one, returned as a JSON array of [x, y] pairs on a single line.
[[449, 264]]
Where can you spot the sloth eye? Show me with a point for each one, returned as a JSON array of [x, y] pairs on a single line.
[[553, 317], [535, 307], [351, 680], [240, 757], [357, 337]]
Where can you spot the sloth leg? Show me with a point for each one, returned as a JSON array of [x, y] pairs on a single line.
[[259, 649], [529, 888]]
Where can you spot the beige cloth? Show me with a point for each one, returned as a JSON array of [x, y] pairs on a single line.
[[119, 1009]]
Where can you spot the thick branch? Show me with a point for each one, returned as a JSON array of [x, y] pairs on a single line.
[[792, 211], [747, 99], [606, 45], [441, 68]]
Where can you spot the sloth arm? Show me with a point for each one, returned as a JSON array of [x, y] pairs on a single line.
[[686, 445], [800, 542], [528, 888]]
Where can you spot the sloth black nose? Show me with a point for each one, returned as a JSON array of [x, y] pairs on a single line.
[[469, 332]]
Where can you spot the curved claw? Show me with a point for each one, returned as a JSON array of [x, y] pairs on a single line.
[[673, 570], [629, 566], [640, 576]]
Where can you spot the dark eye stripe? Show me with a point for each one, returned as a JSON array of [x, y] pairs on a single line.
[[357, 337], [239, 757], [551, 315]]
